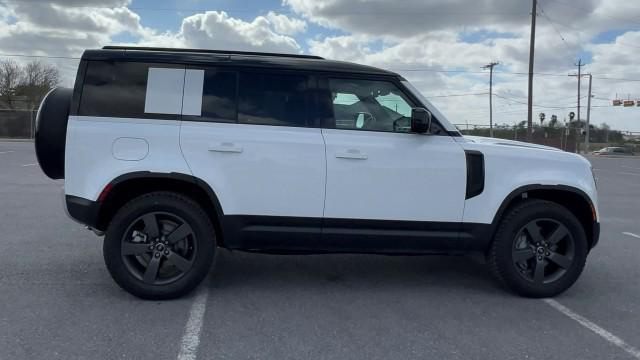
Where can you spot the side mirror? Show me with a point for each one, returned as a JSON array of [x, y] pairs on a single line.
[[420, 120]]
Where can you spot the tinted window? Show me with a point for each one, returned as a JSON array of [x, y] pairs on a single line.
[[117, 89], [370, 105], [269, 99], [218, 97]]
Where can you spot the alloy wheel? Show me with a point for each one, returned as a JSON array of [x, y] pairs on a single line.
[[158, 248], [543, 251]]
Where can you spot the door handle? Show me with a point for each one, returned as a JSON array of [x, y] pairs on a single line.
[[351, 154], [226, 147]]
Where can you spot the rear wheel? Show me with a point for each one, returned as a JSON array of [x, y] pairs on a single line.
[[159, 246], [539, 250]]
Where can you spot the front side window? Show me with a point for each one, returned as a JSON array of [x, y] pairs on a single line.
[[272, 99], [370, 105]]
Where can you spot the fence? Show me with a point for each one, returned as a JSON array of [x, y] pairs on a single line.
[[19, 124]]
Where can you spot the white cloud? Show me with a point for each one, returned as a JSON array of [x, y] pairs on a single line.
[[215, 29], [285, 25]]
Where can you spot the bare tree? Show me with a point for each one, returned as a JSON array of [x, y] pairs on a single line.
[[36, 81], [10, 73]]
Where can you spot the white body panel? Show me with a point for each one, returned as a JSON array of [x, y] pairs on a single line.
[[259, 169], [510, 165], [94, 142], [394, 176], [281, 171]]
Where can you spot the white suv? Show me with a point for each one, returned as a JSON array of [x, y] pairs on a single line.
[[175, 153]]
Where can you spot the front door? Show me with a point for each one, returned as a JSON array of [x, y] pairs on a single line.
[[388, 189]]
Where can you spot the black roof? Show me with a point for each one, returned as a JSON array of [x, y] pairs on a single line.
[[231, 58]]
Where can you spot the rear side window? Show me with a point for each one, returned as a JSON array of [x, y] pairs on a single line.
[[219, 92], [119, 89], [269, 99]]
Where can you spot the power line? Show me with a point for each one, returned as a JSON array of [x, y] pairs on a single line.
[[40, 56], [279, 10], [589, 11], [391, 68], [571, 104], [455, 95], [553, 25], [534, 105]]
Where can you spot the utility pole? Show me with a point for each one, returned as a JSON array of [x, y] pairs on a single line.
[[586, 142], [579, 65], [532, 46], [490, 67]]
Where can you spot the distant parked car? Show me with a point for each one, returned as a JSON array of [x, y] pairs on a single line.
[[613, 151]]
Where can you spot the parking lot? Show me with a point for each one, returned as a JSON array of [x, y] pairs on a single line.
[[57, 300]]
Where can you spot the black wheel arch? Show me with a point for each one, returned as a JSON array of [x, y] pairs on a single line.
[[128, 186], [572, 198]]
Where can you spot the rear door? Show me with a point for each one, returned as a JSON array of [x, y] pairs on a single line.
[[250, 139], [387, 188]]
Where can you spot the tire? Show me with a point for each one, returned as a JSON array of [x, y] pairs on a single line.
[[539, 250], [159, 246], [51, 131]]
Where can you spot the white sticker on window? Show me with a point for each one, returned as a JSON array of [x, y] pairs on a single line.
[[164, 91], [192, 101]]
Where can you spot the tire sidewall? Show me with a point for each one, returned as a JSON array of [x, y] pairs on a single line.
[[191, 213], [506, 236]]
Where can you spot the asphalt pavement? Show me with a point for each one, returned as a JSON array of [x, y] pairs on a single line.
[[57, 300]]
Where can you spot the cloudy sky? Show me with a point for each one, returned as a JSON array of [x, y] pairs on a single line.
[[439, 45]]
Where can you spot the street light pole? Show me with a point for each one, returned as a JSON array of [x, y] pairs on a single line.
[[532, 47], [580, 75], [586, 141], [490, 67]]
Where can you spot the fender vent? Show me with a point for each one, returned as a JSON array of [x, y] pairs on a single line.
[[475, 173]]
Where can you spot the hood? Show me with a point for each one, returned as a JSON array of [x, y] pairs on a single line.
[[496, 141]]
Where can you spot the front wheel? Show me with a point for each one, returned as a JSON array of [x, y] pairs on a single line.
[[159, 246], [539, 250]]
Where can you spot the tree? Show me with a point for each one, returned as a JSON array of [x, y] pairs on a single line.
[[10, 73], [36, 80]]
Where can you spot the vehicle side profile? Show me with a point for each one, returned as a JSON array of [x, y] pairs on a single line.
[[172, 154]]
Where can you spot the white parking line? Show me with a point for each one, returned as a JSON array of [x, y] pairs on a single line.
[[595, 328], [628, 173], [630, 167], [191, 337], [632, 235], [29, 165], [6, 152]]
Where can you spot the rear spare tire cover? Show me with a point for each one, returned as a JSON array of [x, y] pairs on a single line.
[[51, 131]]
